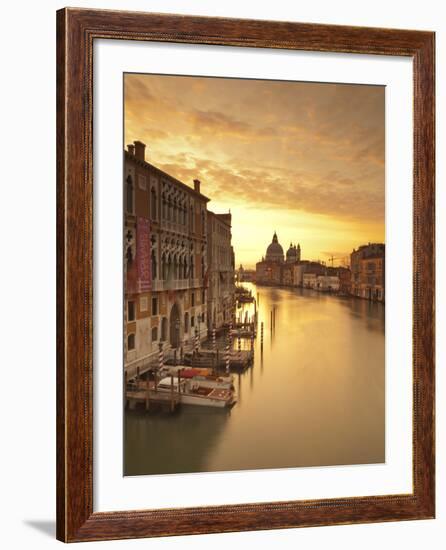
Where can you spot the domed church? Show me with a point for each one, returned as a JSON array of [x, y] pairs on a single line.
[[274, 252], [273, 269]]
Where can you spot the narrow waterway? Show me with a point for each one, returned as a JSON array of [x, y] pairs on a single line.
[[315, 396]]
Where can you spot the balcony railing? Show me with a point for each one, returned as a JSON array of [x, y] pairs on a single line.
[[175, 284]]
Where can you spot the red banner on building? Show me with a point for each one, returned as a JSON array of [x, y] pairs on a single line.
[[143, 254]]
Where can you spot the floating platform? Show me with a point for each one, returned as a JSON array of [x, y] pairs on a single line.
[[208, 358]]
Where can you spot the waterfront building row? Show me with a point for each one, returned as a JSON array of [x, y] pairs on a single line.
[[365, 278], [170, 260]]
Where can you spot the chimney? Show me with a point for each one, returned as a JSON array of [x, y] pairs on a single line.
[[197, 185], [131, 148], [140, 150]]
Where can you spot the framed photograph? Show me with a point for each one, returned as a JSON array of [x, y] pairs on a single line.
[[245, 275]]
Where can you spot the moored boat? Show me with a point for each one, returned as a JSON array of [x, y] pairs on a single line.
[[206, 377], [193, 392]]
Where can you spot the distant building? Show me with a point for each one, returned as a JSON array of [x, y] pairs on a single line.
[[245, 275], [327, 283], [367, 265], [273, 269], [220, 276], [345, 280], [306, 266], [309, 280]]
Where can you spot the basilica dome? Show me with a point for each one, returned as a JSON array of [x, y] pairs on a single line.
[[274, 252]]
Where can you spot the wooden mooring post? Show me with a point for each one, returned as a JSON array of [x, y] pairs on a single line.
[[172, 402], [148, 396]]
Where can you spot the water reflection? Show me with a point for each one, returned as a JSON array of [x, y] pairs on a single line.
[[315, 396]]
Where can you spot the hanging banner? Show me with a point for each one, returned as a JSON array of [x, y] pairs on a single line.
[[143, 254]]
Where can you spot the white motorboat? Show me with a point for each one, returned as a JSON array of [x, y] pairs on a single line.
[[205, 376], [192, 392]]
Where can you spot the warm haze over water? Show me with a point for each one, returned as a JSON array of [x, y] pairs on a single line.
[[306, 159]]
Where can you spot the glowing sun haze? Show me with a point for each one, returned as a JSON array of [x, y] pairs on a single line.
[[304, 159]]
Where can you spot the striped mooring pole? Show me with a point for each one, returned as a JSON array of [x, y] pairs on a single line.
[[214, 340], [160, 356], [196, 339], [227, 355]]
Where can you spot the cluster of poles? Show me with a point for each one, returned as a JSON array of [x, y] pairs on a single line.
[[229, 341]]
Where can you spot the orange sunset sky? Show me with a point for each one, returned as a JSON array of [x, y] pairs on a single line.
[[304, 159]]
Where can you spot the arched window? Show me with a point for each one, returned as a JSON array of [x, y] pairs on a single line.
[[164, 268], [129, 256], [153, 203], [130, 342], [191, 270], [185, 273], [163, 329], [175, 268], [154, 266], [164, 214], [202, 266], [129, 195], [186, 322], [203, 219], [169, 265], [191, 221]]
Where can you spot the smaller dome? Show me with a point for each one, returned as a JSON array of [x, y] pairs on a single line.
[[291, 252]]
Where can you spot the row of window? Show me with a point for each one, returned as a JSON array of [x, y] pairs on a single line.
[[170, 209], [131, 338], [131, 306]]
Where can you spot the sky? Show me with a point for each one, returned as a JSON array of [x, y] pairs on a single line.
[[303, 159]]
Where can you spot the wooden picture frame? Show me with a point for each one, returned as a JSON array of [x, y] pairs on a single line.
[[77, 29]]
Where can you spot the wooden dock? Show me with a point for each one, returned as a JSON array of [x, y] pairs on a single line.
[[244, 331], [143, 394]]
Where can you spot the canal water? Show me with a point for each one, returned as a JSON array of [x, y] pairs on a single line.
[[315, 397]]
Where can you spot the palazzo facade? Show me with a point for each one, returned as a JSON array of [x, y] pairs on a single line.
[[165, 259]]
